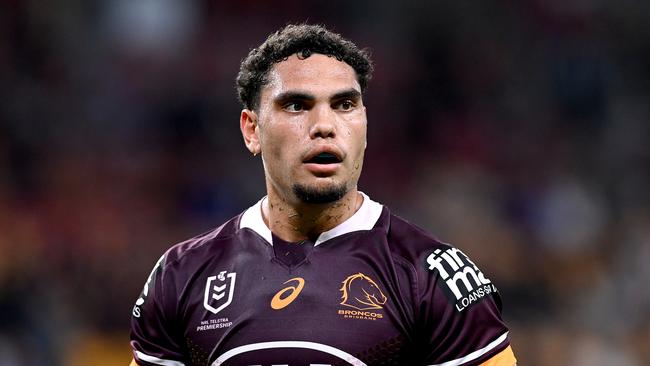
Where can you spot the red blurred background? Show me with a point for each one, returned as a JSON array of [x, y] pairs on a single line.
[[517, 130]]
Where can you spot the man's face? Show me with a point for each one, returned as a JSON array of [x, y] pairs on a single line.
[[312, 129]]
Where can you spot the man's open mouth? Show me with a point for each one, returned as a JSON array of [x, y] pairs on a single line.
[[324, 158]]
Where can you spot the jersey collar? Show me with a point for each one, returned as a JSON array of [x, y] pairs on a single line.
[[364, 219]]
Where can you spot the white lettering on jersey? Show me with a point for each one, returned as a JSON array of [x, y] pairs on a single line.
[[463, 280], [145, 290]]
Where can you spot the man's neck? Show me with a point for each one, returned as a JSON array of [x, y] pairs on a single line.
[[297, 222]]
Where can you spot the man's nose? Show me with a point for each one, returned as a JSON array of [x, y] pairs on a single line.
[[322, 122]]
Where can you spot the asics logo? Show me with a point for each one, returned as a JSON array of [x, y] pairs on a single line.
[[279, 302]]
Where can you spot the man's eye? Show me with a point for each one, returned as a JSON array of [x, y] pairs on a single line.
[[346, 105], [293, 107]]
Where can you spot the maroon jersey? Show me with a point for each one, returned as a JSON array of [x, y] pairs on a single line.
[[375, 290]]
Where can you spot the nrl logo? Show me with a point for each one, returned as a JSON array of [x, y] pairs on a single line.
[[362, 293], [216, 289]]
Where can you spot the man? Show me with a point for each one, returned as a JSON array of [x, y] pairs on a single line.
[[315, 273]]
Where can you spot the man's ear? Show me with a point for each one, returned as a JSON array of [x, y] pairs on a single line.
[[250, 131]]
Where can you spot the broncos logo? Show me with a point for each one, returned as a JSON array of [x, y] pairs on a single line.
[[362, 293]]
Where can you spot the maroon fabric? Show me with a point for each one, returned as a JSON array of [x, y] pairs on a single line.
[[385, 296]]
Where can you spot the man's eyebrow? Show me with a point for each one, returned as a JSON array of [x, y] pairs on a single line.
[[293, 95], [347, 94]]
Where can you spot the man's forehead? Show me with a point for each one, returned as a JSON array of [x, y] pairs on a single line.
[[318, 72]]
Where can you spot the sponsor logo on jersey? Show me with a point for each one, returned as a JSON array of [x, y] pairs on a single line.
[[218, 291], [279, 302], [464, 283], [362, 294], [145, 291]]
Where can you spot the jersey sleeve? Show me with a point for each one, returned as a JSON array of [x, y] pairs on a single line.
[[459, 312], [153, 339]]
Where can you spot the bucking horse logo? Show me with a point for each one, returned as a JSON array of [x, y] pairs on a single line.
[[362, 293]]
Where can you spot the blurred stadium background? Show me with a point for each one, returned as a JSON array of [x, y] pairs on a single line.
[[517, 130]]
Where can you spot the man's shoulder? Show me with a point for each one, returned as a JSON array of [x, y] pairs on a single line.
[[204, 243], [410, 241]]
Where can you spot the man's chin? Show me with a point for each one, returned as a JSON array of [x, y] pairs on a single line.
[[319, 195]]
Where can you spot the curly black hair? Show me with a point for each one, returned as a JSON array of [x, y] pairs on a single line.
[[303, 40]]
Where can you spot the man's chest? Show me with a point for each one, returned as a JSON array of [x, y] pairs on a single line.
[[331, 309]]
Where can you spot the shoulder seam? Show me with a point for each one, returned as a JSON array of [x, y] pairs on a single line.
[[203, 241], [415, 288]]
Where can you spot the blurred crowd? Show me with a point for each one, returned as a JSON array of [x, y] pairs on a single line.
[[516, 130]]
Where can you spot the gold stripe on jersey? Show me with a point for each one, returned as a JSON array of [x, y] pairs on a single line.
[[503, 358]]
